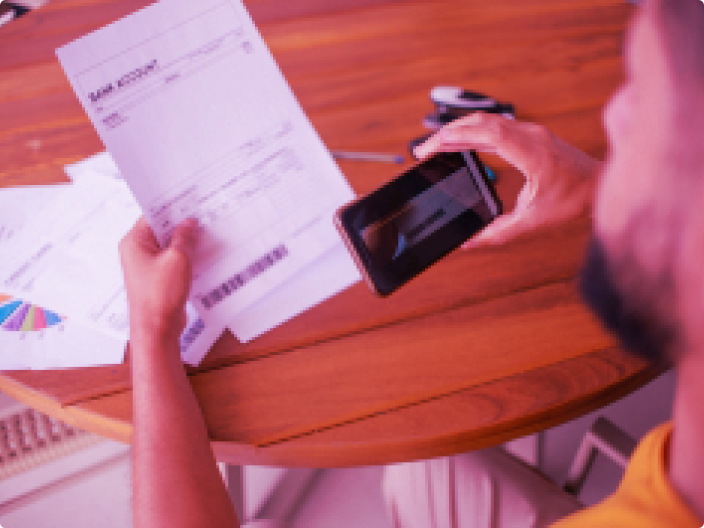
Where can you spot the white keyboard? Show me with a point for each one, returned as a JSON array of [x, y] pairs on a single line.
[[37, 450], [29, 438]]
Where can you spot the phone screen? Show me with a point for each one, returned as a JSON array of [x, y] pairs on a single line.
[[414, 220]]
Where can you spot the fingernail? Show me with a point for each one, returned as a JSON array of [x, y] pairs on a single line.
[[420, 151]]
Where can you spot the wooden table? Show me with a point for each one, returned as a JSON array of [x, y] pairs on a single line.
[[487, 346]]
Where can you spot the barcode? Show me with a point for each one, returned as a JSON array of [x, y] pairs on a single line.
[[238, 280], [191, 333]]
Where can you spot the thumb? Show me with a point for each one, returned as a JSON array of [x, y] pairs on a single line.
[[139, 240], [184, 236], [502, 229]]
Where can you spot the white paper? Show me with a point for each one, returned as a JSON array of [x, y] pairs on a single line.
[[66, 258], [331, 274], [25, 343], [197, 337], [64, 344], [17, 204], [327, 276], [197, 115], [101, 164]]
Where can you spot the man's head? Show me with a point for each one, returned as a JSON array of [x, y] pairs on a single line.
[[645, 267]]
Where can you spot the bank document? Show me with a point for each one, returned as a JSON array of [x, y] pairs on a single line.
[[197, 115]]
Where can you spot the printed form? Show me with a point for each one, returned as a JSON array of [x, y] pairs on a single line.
[[30, 336], [327, 276], [66, 258], [60, 251], [201, 122]]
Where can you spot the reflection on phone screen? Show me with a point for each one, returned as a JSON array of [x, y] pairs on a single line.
[[389, 238]]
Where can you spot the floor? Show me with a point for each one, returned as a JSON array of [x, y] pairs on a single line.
[[101, 496]]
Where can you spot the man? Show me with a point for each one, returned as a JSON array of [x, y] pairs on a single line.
[[643, 276]]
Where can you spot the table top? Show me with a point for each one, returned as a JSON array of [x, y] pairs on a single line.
[[486, 346]]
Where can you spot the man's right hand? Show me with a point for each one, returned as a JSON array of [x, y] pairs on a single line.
[[560, 179]]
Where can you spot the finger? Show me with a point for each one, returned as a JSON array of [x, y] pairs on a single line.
[[140, 236], [139, 230], [466, 133], [437, 141], [526, 196], [514, 141], [145, 236], [184, 236], [492, 232], [500, 231]]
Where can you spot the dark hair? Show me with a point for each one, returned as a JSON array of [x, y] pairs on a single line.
[[683, 36]]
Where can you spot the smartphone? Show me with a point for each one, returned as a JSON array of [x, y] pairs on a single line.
[[400, 229]]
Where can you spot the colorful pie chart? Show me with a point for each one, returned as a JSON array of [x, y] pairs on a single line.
[[17, 315]]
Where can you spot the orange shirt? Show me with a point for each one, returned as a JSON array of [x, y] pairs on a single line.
[[645, 498]]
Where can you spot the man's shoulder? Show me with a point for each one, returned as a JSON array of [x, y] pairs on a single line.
[[645, 497]]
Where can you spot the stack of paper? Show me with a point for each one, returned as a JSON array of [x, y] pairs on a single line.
[[31, 336], [325, 277], [202, 124], [60, 257]]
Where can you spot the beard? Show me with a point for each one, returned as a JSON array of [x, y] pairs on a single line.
[[633, 311]]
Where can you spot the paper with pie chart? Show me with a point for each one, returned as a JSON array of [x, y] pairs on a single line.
[[32, 337], [26, 216], [17, 315]]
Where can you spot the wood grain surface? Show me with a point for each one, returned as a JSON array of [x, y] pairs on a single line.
[[486, 346]]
